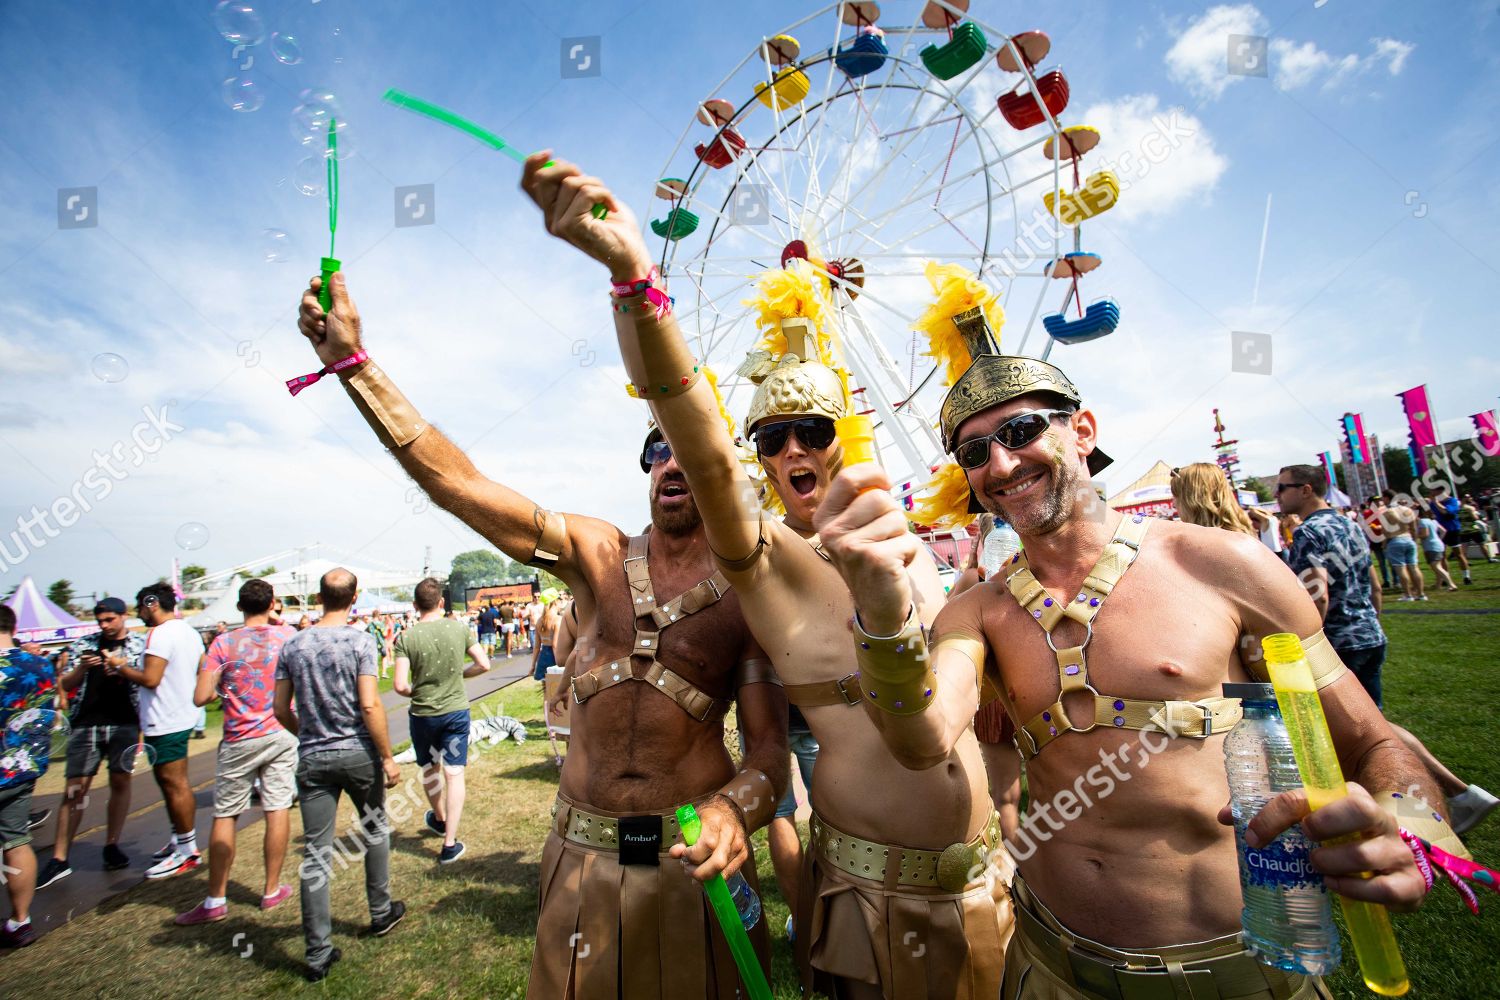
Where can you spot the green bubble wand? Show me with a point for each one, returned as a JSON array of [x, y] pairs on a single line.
[[751, 974], [484, 135], [330, 263]]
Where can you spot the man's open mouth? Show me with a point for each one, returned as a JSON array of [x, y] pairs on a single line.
[[671, 491], [804, 483]]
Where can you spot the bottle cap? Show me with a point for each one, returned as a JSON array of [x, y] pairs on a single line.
[[689, 823], [331, 264], [1250, 692], [1283, 647]]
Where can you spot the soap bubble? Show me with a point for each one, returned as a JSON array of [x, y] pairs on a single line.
[[276, 246], [110, 367], [239, 23], [191, 535], [310, 175], [243, 93], [311, 116], [285, 48], [137, 759], [40, 732]]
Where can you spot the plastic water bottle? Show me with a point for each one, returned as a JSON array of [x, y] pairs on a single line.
[[746, 900], [1288, 917], [999, 545]]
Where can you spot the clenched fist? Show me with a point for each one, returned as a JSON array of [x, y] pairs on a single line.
[[567, 198], [334, 335], [864, 532]]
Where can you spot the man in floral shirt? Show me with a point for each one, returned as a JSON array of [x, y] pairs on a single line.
[[106, 729], [28, 689]]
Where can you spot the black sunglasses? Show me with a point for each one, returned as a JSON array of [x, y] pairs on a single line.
[[656, 451], [1287, 486], [1014, 434], [815, 433]]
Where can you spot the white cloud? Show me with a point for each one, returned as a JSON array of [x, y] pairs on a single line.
[[1198, 59], [1163, 158]]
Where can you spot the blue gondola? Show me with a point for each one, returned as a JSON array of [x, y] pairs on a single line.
[[863, 56], [1098, 320]]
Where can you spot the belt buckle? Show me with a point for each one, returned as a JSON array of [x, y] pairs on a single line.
[[1093, 976], [844, 691], [718, 594]]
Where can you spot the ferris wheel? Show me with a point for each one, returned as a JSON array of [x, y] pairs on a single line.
[[869, 150]]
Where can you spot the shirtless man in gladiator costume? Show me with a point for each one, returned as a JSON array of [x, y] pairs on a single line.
[[888, 903], [1101, 636], [663, 652]]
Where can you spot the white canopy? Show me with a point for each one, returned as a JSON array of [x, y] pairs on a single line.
[[223, 609]]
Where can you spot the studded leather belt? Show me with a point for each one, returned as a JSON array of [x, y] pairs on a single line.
[[948, 869], [603, 832]]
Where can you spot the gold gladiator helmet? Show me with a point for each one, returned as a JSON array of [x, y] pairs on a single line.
[[795, 385], [993, 378]]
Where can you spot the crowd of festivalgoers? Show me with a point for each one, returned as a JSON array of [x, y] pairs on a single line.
[[303, 721]]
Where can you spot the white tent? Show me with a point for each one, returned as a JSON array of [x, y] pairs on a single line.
[[300, 577], [39, 620], [223, 609]]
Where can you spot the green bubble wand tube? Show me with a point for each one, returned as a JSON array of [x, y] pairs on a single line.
[[484, 135], [330, 263], [1312, 744], [728, 915]]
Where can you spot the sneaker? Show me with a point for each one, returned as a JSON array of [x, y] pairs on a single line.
[[36, 819], [432, 823], [174, 864], [198, 734], [202, 914], [318, 973], [51, 872], [114, 858], [383, 926], [1467, 581], [1422, 598], [18, 938], [1405, 598], [451, 853], [1469, 807], [165, 852], [275, 899]]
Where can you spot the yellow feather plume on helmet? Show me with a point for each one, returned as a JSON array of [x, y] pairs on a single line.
[[788, 293], [946, 504], [956, 290]]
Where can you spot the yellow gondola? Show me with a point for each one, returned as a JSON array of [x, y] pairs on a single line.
[[1098, 194], [790, 87]]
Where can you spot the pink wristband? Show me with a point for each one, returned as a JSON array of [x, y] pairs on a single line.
[[622, 290], [301, 382]]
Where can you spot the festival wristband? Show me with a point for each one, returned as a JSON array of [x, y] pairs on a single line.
[[656, 299], [752, 794], [624, 289], [896, 673], [388, 412], [1453, 868], [301, 382]]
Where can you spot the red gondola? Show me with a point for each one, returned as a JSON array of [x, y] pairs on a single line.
[[723, 150], [1019, 107]]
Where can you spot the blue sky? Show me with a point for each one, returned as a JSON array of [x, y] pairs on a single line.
[[1373, 133]]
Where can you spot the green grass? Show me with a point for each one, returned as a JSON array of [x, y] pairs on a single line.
[[469, 933]]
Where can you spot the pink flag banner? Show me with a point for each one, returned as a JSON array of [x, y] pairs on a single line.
[[1419, 417], [1487, 432]]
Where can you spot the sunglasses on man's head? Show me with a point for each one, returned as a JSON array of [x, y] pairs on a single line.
[[815, 433], [1015, 434]]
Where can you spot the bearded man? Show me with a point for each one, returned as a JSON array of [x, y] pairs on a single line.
[[1102, 635], [665, 653], [893, 900]]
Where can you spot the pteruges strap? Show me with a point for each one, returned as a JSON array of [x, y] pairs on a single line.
[[757, 670], [552, 531]]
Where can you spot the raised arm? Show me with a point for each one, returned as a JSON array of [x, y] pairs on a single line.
[[511, 522], [655, 353], [920, 694]]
